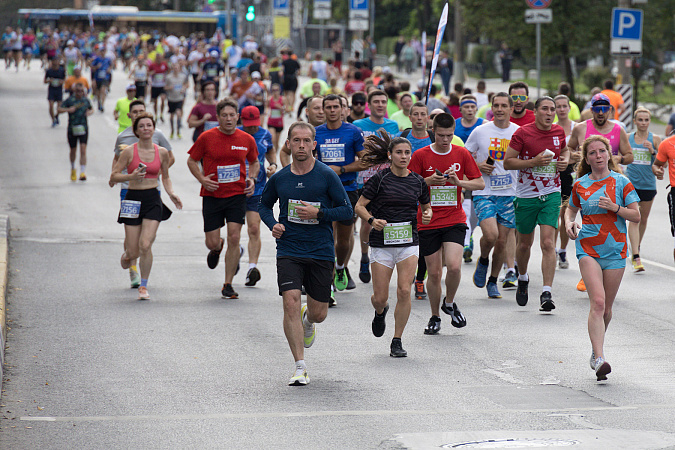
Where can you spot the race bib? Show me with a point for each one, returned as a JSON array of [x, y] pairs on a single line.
[[275, 114], [332, 153], [56, 83], [178, 87], [210, 124], [212, 72], [548, 171], [443, 195], [229, 174], [293, 213], [642, 156], [130, 209], [398, 233], [159, 78], [79, 130], [501, 182], [100, 74], [141, 75]]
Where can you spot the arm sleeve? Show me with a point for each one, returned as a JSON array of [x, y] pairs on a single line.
[[268, 198], [415, 165], [342, 207], [252, 155], [358, 141], [370, 188], [471, 144], [629, 195], [424, 197], [117, 150]]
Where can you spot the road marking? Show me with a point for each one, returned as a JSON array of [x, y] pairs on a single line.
[[657, 264], [503, 376]]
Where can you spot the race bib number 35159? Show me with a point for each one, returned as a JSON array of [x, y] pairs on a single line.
[[398, 233]]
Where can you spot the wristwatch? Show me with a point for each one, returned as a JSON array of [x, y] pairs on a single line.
[[370, 221], [319, 214], [342, 170]]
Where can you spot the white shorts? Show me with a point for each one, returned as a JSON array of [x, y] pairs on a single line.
[[390, 256]]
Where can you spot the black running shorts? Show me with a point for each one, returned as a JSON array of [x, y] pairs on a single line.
[[432, 240], [316, 275], [217, 211]]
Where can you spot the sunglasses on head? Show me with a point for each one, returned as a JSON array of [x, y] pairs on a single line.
[[519, 98], [600, 109]]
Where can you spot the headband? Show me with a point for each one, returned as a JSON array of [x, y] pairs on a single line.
[[468, 101]]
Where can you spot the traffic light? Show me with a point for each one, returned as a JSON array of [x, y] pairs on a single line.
[[250, 15]]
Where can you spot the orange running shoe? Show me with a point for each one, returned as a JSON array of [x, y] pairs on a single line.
[[581, 286]]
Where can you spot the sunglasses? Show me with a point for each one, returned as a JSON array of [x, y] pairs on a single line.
[[600, 109], [519, 98], [358, 103]]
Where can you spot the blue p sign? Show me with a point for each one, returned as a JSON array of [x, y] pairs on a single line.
[[358, 4], [626, 23]]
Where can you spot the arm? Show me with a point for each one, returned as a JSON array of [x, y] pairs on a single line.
[[122, 162], [267, 200], [338, 195], [166, 180], [626, 156], [362, 212], [285, 155], [194, 121], [206, 181], [631, 212], [571, 226], [271, 157], [427, 213], [253, 169], [563, 159], [512, 162]]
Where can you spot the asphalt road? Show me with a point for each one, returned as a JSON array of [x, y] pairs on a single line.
[[89, 366]]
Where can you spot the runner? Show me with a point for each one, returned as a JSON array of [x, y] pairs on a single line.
[[223, 152], [55, 76], [315, 117], [291, 67], [275, 121], [494, 203], [537, 199], [392, 195], [639, 172], [121, 112], [212, 70], [101, 69], [72, 56], [250, 120], [157, 72], [519, 93], [78, 108], [311, 198], [203, 116], [606, 200], [142, 209], [446, 169], [338, 145], [140, 76], [177, 85], [666, 156]]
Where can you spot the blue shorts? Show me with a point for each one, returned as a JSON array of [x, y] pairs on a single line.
[[252, 203], [605, 263], [500, 207]]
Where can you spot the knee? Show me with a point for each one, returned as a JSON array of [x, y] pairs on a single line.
[[379, 301], [253, 230], [547, 244], [145, 246], [598, 304], [233, 238], [500, 244], [434, 275], [402, 293], [490, 238], [212, 243], [454, 271], [291, 305], [317, 316]]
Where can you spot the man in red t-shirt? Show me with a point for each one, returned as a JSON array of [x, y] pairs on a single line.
[[223, 152], [157, 72], [666, 156], [519, 93], [447, 169]]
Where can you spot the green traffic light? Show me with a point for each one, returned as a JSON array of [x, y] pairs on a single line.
[[250, 15]]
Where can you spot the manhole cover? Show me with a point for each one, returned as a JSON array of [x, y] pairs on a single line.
[[515, 443]]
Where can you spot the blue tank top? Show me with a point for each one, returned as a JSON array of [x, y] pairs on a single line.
[[639, 172]]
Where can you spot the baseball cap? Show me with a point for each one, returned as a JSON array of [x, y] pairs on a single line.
[[599, 99], [256, 74], [250, 116], [213, 53], [70, 42], [358, 97], [131, 87]]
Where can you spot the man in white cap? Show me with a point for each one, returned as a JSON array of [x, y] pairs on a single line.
[[72, 56], [121, 111], [212, 70]]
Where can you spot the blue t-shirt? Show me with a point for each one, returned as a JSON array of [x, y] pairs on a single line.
[[639, 172], [462, 132], [320, 186], [339, 148], [263, 139], [100, 67], [603, 232], [418, 143], [369, 127]]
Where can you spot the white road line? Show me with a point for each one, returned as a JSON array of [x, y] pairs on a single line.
[[656, 264]]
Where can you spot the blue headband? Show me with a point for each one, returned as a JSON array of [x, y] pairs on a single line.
[[468, 101]]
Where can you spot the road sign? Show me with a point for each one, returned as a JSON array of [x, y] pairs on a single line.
[[538, 4], [538, 15], [358, 24], [358, 5], [359, 9], [281, 7], [626, 31], [322, 9]]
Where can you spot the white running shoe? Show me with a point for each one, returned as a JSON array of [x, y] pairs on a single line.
[[300, 378], [310, 332]]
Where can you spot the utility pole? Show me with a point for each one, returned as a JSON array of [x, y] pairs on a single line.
[[459, 44], [624, 62], [176, 5]]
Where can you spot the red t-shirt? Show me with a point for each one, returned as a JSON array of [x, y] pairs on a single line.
[[199, 111], [446, 201], [529, 141], [159, 76], [225, 156], [527, 118]]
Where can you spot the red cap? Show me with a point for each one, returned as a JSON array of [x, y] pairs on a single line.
[[250, 117]]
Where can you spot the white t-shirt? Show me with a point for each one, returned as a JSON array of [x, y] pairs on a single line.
[[490, 140], [193, 59], [481, 99], [320, 67]]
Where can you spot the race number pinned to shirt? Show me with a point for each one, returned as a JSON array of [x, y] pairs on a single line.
[[642, 156], [443, 195], [79, 130], [501, 182], [159, 78], [56, 82], [229, 174], [101, 74], [398, 233], [275, 114], [333, 153], [293, 212], [130, 209], [547, 171]]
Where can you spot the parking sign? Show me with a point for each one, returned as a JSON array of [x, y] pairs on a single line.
[[626, 31]]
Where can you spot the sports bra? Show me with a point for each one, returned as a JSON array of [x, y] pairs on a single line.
[[153, 167]]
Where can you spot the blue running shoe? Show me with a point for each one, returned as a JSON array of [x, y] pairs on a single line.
[[364, 272], [493, 291], [480, 274], [510, 280]]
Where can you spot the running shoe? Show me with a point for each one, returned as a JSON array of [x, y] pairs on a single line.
[[143, 293], [396, 349], [83, 177], [379, 322], [300, 378], [54, 123], [161, 118], [228, 291], [310, 332], [124, 261], [340, 279], [364, 271], [468, 253], [350, 281], [493, 291], [241, 253], [57, 120], [480, 274], [171, 136], [458, 319], [546, 302], [252, 277], [602, 368], [135, 278], [420, 292], [581, 286], [434, 325], [521, 293], [592, 360], [563, 263], [510, 280], [213, 257], [180, 136], [637, 265], [73, 175]]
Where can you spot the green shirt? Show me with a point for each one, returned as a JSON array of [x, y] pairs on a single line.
[[392, 107], [122, 108], [306, 89], [79, 117], [401, 119]]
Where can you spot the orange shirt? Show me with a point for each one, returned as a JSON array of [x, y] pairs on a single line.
[[615, 99], [72, 80], [666, 155]]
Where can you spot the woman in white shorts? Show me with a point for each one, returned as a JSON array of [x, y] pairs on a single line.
[[389, 203]]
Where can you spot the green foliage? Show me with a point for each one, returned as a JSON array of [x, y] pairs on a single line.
[[595, 76]]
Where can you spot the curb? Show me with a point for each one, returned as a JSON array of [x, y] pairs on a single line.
[[4, 266]]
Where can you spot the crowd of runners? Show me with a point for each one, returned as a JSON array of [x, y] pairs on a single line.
[[374, 165]]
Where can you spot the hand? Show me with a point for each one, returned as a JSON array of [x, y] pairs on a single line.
[[137, 174], [278, 230], [72, 109], [250, 187], [607, 204], [486, 168], [658, 171], [379, 224], [206, 116], [542, 160], [306, 211], [575, 156], [176, 201], [571, 228], [111, 183], [617, 159], [452, 176], [336, 169], [648, 145], [209, 184], [426, 216], [271, 170], [561, 164], [436, 180]]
